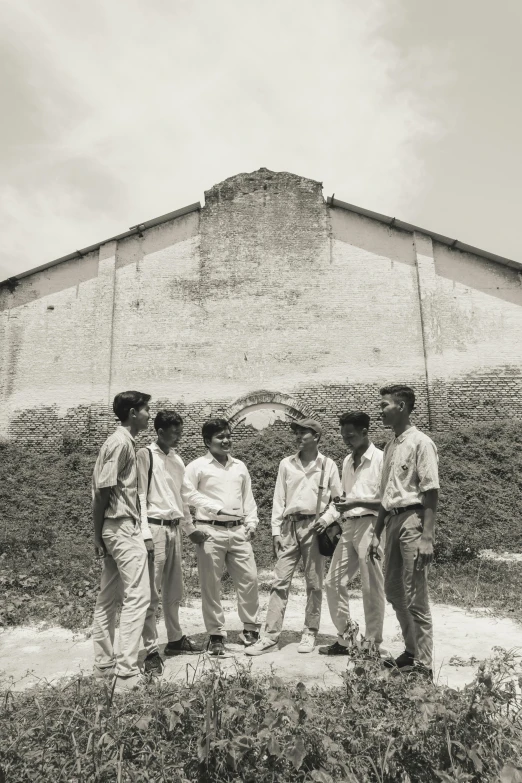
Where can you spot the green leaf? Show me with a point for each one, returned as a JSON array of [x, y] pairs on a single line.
[[273, 747], [510, 774], [320, 776], [477, 761], [202, 748], [106, 740], [297, 753], [174, 720], [144, 722], [243, 743]]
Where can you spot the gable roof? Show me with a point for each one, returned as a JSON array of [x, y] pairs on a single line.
[[331, 201]]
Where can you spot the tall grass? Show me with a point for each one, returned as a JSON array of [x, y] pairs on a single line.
[[237, 727]]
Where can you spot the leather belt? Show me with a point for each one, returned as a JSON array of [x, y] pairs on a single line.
[[299, 516], [163, 522], [219, 522], [402, 509], [359, 516]]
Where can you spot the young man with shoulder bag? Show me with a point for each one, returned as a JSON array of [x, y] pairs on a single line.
[[294, 531]]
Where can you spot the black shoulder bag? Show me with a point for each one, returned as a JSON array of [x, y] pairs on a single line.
[[329, 538]]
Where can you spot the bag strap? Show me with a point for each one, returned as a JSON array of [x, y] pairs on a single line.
[[320, 493], [150, 469]]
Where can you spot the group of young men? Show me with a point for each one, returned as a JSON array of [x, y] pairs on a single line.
[[141, 508]]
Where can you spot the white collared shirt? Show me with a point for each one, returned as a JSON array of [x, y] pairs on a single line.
[[297, 488], [170, 493], [410, 468], [363, 483], [229, 485]]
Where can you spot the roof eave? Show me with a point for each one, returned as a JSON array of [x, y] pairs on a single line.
[[137, 229], [400, 224]]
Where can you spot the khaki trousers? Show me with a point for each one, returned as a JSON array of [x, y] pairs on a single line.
[[348, 558], [227, 546], [166, 578], [299, 540], [406, 588], [124, 574]]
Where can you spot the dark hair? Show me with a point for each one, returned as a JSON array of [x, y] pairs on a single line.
[[124, 401], [165, 419], [401, 393], [359, 419], [212, 427]]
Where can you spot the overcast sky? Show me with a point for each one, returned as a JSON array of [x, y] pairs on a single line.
[[116, 111]]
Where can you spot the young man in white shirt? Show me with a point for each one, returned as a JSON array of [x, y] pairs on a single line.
[[165, 496], [294, 534], [410, 492], [361, 481], [225, 480]]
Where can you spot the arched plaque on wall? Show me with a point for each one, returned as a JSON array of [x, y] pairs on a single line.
[[262, 408]]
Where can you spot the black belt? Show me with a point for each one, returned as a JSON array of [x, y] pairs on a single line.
[[402, 509], [163, 522], [219, 522], [358, 516], [298, 515]]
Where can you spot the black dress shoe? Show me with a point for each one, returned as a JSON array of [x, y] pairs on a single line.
[[153, 665], [249, 637], [215, 645], [183, 646], [405, 659], [334, 649]]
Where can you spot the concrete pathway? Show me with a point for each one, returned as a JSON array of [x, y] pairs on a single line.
[[30, 655]]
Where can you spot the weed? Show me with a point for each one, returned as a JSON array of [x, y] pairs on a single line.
[[236, 727]]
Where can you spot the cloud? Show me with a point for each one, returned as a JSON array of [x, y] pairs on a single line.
[[122, 111]]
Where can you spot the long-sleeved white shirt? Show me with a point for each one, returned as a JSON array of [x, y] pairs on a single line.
[[361, 484], [170, 493], [297, 488], [229, 485]]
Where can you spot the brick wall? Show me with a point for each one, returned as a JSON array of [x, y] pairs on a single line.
[[265, 288]]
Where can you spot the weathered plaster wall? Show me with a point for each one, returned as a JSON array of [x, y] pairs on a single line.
[[266, 287]]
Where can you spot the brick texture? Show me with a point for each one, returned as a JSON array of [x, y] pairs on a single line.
[[265, 291]]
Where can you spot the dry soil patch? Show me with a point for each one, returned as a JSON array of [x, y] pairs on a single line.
[[29, 655]]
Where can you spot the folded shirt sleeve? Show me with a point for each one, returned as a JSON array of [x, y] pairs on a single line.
[[427, 466], [249, 504], [142, 459], [278, 503]]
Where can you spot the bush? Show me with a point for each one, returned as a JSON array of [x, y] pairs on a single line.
[[47, 566], [252, 730]]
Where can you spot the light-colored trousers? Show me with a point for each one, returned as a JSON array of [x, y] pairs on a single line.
[[125, 574], [406, 587], [299, 539], [348, 558], [166, 577], [227, 546]]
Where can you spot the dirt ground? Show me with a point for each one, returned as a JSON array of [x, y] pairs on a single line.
[[30, 655]]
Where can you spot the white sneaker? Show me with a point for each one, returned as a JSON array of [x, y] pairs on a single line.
[[262, 646], [307, 643], [132, 683]]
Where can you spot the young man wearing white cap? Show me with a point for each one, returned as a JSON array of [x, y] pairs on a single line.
[[295, 535]]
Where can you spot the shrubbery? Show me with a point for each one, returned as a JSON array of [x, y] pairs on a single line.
[[47, 567], [378, 728]]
